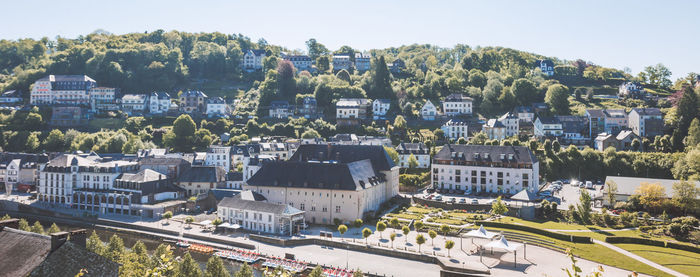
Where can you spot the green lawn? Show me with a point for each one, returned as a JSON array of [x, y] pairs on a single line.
[[682, 261], [421, 210], [578, 107], [547, 224], [450, 221], [406, 216]]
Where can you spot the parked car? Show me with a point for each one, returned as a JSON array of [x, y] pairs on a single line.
[[452, 200], [462, 201], [546, 193], [575, 183], [438, 198], [589, 184], [475, 201]]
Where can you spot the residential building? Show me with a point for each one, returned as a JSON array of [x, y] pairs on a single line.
[[625, 139], [352, 139], [346, 182], [159, 102], [379, 108], [193, 102], [526, 129], [631, 89], [627, 186], [146, 191], [217, 107], [278, 150], [341, 61], [455, 129], [19, 171], [252, 59], [539, 107], [622, 141], [234, 180], [200, 179], [219, 156], [457, 104], [11, 97], [280, 109], [62, 89], [525, 113], [134, 104], [309, 108], [171, 167], [596, 122], [548, 127], [68, 116], [418, 150], [253, 164], [254, 213], [300, 62], [546, 66], [605, 140], [363, 61], [512, 123], [103, 99], [615, 120], [574, 128], [646, 122], [241, 151], [428, 111], [397, 67], [350, 111], [494, 129], [485, 169]]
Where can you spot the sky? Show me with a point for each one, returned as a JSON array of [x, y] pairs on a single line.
[[613, 33]]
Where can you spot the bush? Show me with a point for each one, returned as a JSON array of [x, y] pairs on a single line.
[[686, 220], [635, 241], [681, 246]]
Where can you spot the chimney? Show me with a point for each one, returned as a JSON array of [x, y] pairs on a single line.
[[58, 239], [10, 223], [78, 237]]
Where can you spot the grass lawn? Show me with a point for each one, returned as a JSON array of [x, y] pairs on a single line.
[[421, 210], [578, 107], [450, 221], [682, 261], [406, 216], [547, 224], [466, 216]]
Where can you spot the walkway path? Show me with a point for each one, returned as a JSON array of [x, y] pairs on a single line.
[[641, 259]]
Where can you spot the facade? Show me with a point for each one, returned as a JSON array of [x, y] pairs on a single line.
[[574, 128], [548, 127], [646, 122], [512, 123], [330, 181], [349, 111], [418, 150], [428, 111], [352, 139], [457, 104], [200, 179], [455, 129], [605, 140], [596, 122], [300, 62], [68, 116], [19, 171], [631, 89], [546, 66], [622, 141], [362, 61], [341, 61], [193, 102], [219, 156], [11, 97], [252, 60], [159, 102], [134, 103], [252, 164], [280, 109], [309, 108], [62, 89], [525, 113], [216, 107], [485, 169], [379, 108], [494, 129], [254, 213], [103, 99], [615, 121]]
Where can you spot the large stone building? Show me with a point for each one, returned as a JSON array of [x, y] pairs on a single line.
[[457, 104], [341, 61], [485, 169], [193, 102], [62, 89], [330, 181]]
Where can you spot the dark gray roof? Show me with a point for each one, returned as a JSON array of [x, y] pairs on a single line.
[[220, 194], [597, 113], [21, 252], [216, 100], [458, 97], [573, 123], [246, 149], [202, 174], [69, 259], [548, 120], [325, 175], [237, 202], [523, 109], [142, 176], [521, 154], [647, 111], [345, 154], [493, 123], [193, 93], [162, 161], [412, 148], [234, 176], [258, 52]]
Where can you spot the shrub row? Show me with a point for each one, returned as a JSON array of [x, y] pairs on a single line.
[[554, 235], [652, 242]]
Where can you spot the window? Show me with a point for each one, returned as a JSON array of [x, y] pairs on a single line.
[[337, 209], [301, 207]]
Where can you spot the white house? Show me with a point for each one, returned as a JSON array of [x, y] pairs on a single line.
[[158, 102], [220, 156], [341, 61], [252, 212], [379, 108], [455, 129], [485, 168], [548, 127], [252, 60], [62, 89], [300, 62], [103, 99], [525, 113], [428, 111], [134, 103], [546, 66], [280, 109], [457, 104], [352, 108], [418, 150], [512, 123], [216, 107], [494, 129]]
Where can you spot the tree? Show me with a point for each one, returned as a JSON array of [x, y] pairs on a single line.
[[5, 217], [358, 223], [392, 154], [584, 207], [525, 91], [215, 268], [693, 138], [164, 262], [24, 225], [188, 267], [444, 228], [366, 232], [405, 231], [657, 75], [168, 215], [315, 49], [37, 228], [498, 207], [650, 195], [392, 237], [181, 136], [310, 133], [323, 64], [685, 194], [381, 226], [285, 79], [54, 141], [189, 220], [432, 234], [244, 271], [381, 81], [316, 272], [688, 109], [358, 273], [448, 245], [342, 229], [557, 97], [394, 222], [53, 229], [611, 190], [115, 248], [32, 144], [412, 161], [399, 123], [420, 240], [418, 225], [94, 244]]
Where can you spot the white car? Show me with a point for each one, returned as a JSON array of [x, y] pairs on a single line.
[[438, 198], [589, 184]]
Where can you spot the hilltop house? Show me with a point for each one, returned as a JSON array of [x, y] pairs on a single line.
[[300, 62], [457, 104], [252, 60], [494, 129], [397, 66], [280, 109], [103, 99], [546, 66], [62, 89], [428, 111], [134, 104], [349, 111], [548, 127], [341, 61], [631, 89], [455, 129], [379, 108], [362, 61], [193, 102], [511, 122], [158, 102], [309, 108], [217, 107]]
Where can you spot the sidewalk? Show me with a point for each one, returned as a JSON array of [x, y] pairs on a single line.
[[641, 259]]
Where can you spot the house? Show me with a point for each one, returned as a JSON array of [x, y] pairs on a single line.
[[574, 128], [631, 89], [525, 113], [352, 139], [62, 89], [329, 182], [605, 140], [397, 66], [548, 127], [216, 107], [526, 129], [615, 120], [417, 150], [103, 99], [596, 121], [193, 102], [457, 104], [485, 169], [134, 104], [309, 108], [455, 129], [252, 59], [349, 111], [379, 108], [171, 167], [300, 62], [241, 151], [19, 171], [621, 142], [627, 186], [546, 66], [58, 254], [341, 61], [219, 156], [234, 180], [362, 61], [428, 111], [280, 109], [200, 179], [494, 129], [159, 102], [511, 122], [68, 116], [11, 98], [625, 139], [146, 190], [646, 122], [253, 164], [252, 212]]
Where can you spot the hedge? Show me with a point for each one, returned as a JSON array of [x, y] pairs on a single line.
[[555, 235], [652, 242], [681, 246]]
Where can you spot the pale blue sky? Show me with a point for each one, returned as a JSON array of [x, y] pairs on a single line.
[[610, 33]]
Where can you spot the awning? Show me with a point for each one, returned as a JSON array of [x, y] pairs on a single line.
[[480, 233], [525, 195], [503, 244]]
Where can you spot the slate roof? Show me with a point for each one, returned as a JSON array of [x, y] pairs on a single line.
[[345, 154], [572, 123], [597, 113], [521, 154], [220, 194], [458, 97], [67, 78], [493, 123], [66, 160], [69, 259], [251, 196], [202, 174], [279, 103], [456, 122], [548, 120], [142, 176], [216, 100], [236, 202], [234, 176], [246, 149], [412, 148], [257, 52], [352, 176], [21, 252], [193, 93]]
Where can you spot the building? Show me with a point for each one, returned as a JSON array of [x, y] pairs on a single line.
[[171, 167], [219, 156], [379, 108], [241, 151], [11, 98], [234, 180], [300, 62], [200, 179], [596, 122], [280, 109], [512, 123], [574, 128], [526, 129], [252, 59], [252, 164], [548, 127], [19, 171], [352, 139], [58, 254], [631, 89], [328, 182], [277, 150], [193, 102], [525, 113], [254, 213], [341, 61], [455, 129], [103, 99], [646, 122], [159, 102], [546, 66], [145, 190], [350, 111], [217, 107], [622, 141], [363, 61], [68, 116], [428, 111], [485, 169], [134, 104], [626, 187], [457, 104], [494, 129], [615, 121], [605, 140], [309, 108], [62, 89], [397, 66], [418, 150]]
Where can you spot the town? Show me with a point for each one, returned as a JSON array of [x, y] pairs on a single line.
[[208, 154]]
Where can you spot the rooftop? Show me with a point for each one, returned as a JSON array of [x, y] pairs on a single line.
[[521, 154]]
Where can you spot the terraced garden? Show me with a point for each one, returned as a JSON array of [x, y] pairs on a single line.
[[682, 261]]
